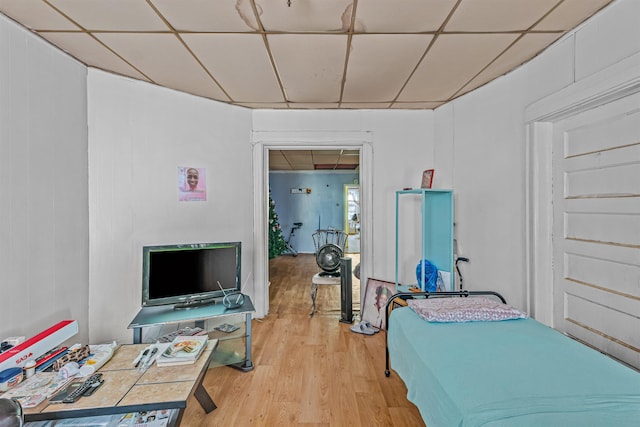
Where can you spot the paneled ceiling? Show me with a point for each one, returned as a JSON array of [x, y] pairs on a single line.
[[310, 54], [300, 160]]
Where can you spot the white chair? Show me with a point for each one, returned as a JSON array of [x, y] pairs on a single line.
[[329, 245]]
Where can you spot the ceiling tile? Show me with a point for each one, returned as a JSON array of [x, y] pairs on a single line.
[[409, 16], [278, 160], [94, 54], [451, 63], [379, 65], [299, 160], [293, 156], [305, 15], [310, 159], [111, 15], [36, 15], [208, 16], [325, 158], [569, 14], [349, 160], [297, 155], [310, 66], [165, 60], [523, 50], [498, 15], [328, 152], [239, 63]]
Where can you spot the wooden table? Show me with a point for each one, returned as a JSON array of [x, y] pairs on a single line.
[[126, 390]]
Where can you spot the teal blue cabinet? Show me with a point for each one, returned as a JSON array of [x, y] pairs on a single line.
[[436, 235]]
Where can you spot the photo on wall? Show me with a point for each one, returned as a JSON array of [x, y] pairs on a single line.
[[192, 184]]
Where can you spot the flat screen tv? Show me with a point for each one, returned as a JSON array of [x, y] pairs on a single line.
[[189, 275]]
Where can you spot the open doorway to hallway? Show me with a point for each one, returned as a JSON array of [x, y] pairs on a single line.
[[313, 190]]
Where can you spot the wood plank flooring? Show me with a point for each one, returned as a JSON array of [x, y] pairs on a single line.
[[309, 371]]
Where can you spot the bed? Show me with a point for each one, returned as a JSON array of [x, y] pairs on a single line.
[[515, 372]]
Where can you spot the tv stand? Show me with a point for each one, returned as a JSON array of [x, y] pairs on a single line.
[[168, 314], [187, 305]]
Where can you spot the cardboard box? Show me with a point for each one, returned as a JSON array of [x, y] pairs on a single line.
[[38, 345]]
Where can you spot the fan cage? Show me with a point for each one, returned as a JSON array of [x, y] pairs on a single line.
[[329, 236], [329, 240], [328, 259]]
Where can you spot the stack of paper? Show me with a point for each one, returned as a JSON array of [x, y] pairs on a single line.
[[36, 389], [183, 350]]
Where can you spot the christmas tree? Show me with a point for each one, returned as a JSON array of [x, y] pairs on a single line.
[[277, 244]]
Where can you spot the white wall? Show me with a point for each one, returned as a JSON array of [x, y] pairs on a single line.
[[402, 144], [139, 134], [43, 186], [482, 135]]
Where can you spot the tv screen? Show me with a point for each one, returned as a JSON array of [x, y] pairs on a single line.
[[189, 274]]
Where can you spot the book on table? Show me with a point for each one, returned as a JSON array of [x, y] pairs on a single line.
[[183, 350], [182, 331]]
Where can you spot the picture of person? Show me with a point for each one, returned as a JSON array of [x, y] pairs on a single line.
[[375, 300], [191, 184], [192, 179]]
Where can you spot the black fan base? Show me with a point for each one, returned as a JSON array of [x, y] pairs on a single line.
[[329, 274]]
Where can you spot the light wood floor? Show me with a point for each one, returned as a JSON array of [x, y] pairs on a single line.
[[309, 371]]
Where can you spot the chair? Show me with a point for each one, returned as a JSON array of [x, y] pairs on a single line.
[[329, 245]]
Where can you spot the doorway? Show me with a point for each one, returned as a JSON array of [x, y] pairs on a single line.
[[265, 141], [312, 190], [352, 217]]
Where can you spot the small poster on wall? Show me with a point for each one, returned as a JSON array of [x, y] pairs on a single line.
[[192, 184]]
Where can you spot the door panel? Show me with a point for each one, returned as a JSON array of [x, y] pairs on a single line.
[[596, 232]]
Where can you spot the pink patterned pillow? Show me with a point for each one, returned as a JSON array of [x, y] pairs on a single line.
[[465, 309]]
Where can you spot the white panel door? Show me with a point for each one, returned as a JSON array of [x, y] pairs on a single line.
[[596, 231]]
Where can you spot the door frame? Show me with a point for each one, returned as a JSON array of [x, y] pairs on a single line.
[[618, 81], [262, 142]]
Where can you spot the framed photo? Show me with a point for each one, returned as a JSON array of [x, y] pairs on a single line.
[[427, 178], [376, 296]]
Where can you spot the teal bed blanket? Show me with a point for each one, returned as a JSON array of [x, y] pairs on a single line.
[[508, 373]]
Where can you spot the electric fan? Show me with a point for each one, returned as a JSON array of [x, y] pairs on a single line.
[[329, 246], [328, 259]]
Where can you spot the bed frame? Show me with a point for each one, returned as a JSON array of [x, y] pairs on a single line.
[[404, 296], [505, 373]]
